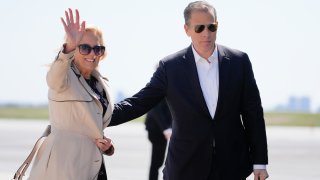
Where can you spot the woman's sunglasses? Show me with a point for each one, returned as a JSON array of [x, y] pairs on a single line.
[[212, 27], [85, 49]]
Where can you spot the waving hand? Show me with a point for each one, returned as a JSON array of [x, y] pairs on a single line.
[[74, 30]]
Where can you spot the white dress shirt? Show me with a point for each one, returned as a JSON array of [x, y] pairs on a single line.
[[208, 72]]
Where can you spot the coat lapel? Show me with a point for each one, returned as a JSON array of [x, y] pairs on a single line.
[[102, 80], [195, 82], [83, 81], [88, 88], [224, 62]]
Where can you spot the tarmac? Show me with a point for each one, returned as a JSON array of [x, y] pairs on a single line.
[[294, 152]]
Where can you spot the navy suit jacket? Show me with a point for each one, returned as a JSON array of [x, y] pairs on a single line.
[[238, 128]]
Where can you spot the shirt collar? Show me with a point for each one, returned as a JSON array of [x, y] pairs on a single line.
[[213, 56]]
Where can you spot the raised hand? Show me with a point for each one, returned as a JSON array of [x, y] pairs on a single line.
[[74, 31]]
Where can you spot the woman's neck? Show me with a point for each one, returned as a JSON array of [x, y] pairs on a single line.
[[85, 74]]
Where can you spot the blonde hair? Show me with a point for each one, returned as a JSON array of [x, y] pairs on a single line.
[[96, 31]]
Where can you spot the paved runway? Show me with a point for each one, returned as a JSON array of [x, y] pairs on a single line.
[[294, 153]]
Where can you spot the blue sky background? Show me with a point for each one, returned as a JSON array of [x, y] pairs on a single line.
[[281, 37]]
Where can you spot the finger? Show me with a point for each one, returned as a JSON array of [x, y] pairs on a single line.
[[98, 144], [105, 142], [71, 16], [77, 17], [109, 141], [256, 177], [263, 176], [101, 145], [83, 26], [106, 138], [64, 24], [67, 17], [100, 141]]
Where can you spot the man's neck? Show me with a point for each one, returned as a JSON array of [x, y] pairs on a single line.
[[205, 54]]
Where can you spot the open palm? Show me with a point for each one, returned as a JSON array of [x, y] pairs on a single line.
[[74, 31]]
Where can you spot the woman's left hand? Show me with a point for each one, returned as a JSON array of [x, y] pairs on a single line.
[[104, 144]]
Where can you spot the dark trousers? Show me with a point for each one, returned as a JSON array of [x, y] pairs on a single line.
[[102, 173], [159, 144]]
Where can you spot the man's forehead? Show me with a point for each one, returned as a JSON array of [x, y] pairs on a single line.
[[201, 17]]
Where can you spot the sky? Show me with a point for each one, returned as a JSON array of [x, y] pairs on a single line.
[[280, 37]]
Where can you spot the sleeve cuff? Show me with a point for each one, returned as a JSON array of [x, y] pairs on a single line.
[[259, 166], [166, 131], [65, 56]]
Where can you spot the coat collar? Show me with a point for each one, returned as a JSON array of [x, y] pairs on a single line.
[[224, 67], [102, 80], [83, 81]]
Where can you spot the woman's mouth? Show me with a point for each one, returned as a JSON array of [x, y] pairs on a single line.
[[89, 60]]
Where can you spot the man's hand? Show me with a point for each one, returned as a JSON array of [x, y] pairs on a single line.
[[260, 174]]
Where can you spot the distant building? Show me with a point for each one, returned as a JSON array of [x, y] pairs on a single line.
[[296, 104]]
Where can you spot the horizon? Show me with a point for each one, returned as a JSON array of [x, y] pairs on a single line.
[[287, 107]]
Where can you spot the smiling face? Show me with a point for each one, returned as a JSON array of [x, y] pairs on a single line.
[[87, 63], [203, 42]]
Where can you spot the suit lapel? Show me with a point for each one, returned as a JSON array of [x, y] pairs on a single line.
[[195, 82], [224, 62]]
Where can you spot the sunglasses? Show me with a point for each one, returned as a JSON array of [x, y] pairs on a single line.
[[212, 27], [85, 49]]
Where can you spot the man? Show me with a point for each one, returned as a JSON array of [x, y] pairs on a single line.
[[158, 124], [218, 129]]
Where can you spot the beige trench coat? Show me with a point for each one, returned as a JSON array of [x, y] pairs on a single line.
[[69, 152]]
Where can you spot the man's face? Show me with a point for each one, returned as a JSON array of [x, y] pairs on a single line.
[[203, 42]]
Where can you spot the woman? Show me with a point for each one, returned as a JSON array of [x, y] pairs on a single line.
[[79, 108]]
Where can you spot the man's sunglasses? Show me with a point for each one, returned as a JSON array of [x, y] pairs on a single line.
[[212, 27], [85, 49]]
